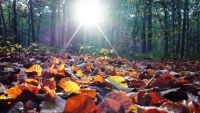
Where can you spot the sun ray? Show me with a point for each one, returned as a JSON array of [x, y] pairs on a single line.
[[107, 40], [71, 38]]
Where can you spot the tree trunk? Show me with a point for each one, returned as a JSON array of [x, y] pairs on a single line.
[[149, 25], [173, 46], [3, 24], [143, 37], [32, 21], [184, 29], [179, 28], [3, 20], [166, 46], [16, 38], [53, 23], [65, 12]]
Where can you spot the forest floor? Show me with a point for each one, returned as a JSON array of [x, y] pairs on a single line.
[[47, 82]]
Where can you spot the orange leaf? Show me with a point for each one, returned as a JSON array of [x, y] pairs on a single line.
[[89, 92], [49, 91], [14, 92], [99, 78], [33, 88], [80, 104], [35, 68], [32, 81]]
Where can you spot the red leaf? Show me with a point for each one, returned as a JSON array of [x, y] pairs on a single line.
[[108, 106], [121, 98]]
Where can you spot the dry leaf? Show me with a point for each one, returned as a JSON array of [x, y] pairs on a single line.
[[80, 104], [32, 81], [118, 81], [3, 97], [35, 68], [120, 97], [98, 79], [69, 86], [89, 92], [14, 92], [79, 73], [108, 106]]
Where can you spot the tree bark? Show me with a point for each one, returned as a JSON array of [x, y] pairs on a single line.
[[143, 37], [32, 21], [166, 46], [149, 25], [178, 48], [53, 23], [16, 38]]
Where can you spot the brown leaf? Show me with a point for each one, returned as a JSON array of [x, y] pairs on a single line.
[[136, 83], [120, 97], [165, 81], [108, 106]]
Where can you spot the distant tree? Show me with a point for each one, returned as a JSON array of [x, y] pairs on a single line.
[[53, 22], [14, 25], [149, 25], [32, 21]]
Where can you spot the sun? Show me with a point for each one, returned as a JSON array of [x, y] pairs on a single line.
[[89, 12]]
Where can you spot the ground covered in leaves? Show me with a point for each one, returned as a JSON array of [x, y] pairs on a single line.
[[64, 83]]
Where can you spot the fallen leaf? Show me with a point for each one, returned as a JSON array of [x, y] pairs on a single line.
[[108, 106], [32, 81], [120, 97], [80, 104], [118, 81], [89, 92], [69, 86], [79, 73], [133, 109], [14, 92], [98, 79], [136, 83], [3, 97], [35, 68]]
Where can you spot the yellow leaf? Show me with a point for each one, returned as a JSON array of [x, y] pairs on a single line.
[[69, 86], [61, 67], [79, 73], [85, 80], [35, 68], [133, 108], [118, 81], [3, 97]]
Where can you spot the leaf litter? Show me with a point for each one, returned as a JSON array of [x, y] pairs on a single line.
[[49, 82]]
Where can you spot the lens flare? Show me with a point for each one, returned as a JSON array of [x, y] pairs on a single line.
[[89, 12]]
